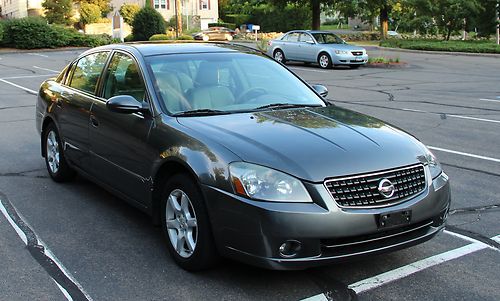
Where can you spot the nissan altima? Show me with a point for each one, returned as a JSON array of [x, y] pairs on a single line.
[[234, 155], [314, 46]]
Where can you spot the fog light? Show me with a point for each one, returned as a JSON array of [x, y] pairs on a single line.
[[290, 248]]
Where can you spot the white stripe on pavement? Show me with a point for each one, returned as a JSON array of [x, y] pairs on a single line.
[[486, 99], [19, 232], [46, 69], [473, 118], [20, 87], [463, 154], [306, 69], [28, 76], [410, 269], [38, 54]]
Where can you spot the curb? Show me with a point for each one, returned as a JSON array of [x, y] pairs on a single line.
[[490, 55], [14, 50]]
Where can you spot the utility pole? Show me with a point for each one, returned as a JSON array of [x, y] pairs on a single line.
[[178, 18]]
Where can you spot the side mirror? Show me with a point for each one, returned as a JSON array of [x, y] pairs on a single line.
[[321, 90], [125, 104]]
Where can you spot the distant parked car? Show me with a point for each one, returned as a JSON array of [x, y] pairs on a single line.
[[215, 34], [322, 47]]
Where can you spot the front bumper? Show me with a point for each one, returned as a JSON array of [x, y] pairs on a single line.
[[253, 231], [349, 59]]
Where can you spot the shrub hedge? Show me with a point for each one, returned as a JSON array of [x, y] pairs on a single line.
[[34, 32], [237, 19], [147, 22], [222, 24], [1, 32], [479, 46], [280, 19], [163, 37]]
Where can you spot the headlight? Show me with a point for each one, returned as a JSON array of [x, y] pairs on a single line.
[[433, 164], [262, 183], [341, 51]]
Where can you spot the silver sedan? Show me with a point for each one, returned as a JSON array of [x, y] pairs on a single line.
[[322, 47]]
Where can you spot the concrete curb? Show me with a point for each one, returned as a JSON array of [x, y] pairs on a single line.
[[14, 50], [490, 55]]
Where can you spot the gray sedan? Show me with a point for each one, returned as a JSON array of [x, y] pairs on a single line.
[[323, 47]]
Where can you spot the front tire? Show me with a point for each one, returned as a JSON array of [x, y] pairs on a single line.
[[324, 61], [186, 225], [56, 163], [279, 56]]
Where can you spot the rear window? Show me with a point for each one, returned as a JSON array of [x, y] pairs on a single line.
[[87, 72]]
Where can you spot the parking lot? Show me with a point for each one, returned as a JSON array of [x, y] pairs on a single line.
[[76, 241]]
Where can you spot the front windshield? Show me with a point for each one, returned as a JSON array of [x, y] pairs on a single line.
[[226, 82], [328, 38]]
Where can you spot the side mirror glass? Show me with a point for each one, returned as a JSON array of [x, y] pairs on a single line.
[[124, 104], [321, 90]]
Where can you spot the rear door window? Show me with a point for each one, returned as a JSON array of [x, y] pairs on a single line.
[[87, 71]]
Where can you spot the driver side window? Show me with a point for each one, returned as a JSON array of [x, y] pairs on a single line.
[[124, 78]]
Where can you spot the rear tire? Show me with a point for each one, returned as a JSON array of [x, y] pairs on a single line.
[[279, 56], [186, 224], [324, 61], [57, 166]]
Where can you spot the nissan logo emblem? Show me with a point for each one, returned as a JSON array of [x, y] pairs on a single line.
[[386, 188]]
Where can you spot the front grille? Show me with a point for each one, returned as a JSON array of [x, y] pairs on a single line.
[[362, 190], [357, 52]]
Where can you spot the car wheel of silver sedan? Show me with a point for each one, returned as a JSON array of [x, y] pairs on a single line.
[[185, 224], [324, 61], [55, 160], [279, 56]]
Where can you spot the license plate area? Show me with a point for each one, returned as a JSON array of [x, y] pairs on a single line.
[[394, 219]]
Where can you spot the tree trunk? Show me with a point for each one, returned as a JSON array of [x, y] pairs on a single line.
[[316, 12], [384, 21]]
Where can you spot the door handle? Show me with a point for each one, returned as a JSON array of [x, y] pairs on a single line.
[[94, 121]]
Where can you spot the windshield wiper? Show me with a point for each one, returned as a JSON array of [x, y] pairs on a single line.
[[200, 112], [285, 106]]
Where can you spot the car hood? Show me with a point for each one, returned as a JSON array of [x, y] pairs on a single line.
[[311, 144]]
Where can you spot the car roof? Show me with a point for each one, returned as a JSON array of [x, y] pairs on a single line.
[[310, 31], [158, 48]]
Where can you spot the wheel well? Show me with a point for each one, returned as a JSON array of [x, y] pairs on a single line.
[[166, 171], [277, 49], [323, 52], [46, 122]]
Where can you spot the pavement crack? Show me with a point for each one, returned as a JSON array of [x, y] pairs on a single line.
[[475, 209], [333, 289], [18, 68], [41, 254], [24, 174], [16, 107], [477, 236]]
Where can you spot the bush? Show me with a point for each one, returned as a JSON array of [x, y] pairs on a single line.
[[89, 13], [160, 37], [362, 36], [271, 18], [128, 12], [129, 38], [1, 32], [32, 32], [480, 46], [221, 24], [237, 19], [147, 22], [185, 37]]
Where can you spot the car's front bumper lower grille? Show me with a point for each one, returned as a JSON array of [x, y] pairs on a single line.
[[362, 190], [357, 53]]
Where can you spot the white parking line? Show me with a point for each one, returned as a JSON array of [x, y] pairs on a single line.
[[463, 154], [487, 99], [28, 76], [306, 69], [44, 249], [46, 69], [409, 269], [20, 87], [452, 115], [38, 54]]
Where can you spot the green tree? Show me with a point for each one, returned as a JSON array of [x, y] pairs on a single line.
[[89, 13], [147, 22], [314, 5], [58, 11], [104, 5], [128, 11]]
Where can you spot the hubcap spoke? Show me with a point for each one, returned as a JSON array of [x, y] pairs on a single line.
[[172, 199], [173, 224], [191, 222], [181, 239], [190, 241]]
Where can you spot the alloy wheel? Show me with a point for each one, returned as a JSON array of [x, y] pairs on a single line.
[[324, 61], [278, 56], [182, 227], [52, 152]]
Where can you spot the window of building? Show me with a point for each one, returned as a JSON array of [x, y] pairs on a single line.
[[204, 4], [163, 4]]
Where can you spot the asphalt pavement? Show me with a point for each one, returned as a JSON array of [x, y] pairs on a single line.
[[77, 241]]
